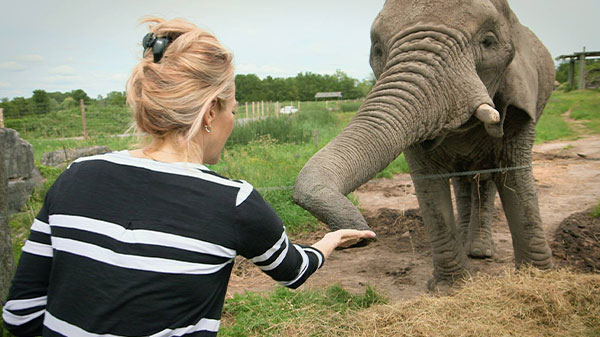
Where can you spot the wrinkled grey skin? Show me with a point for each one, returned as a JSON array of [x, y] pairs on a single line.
[[435, 63], [475, 208]]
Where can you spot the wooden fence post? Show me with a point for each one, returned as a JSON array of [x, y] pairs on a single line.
[[298, 106], [247, 114], [262, 108], [83, 119], [571, 73], [1, 118], [582, 70]]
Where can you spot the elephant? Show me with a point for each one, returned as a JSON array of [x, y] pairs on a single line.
[[460, 86]]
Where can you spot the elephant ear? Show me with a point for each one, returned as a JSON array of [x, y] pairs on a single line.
[[520, 87]]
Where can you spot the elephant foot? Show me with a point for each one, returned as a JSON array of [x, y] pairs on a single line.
[[480, 247], [444, 284]]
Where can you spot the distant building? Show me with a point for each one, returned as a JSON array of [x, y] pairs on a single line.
[[336, 94]]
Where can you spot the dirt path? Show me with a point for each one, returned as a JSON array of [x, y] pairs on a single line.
[[399, 264]]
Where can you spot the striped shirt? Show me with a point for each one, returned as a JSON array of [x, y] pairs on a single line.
[[126, 246]]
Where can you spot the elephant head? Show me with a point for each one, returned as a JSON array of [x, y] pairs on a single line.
[[441, 67]]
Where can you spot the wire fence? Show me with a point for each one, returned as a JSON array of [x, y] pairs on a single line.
[[95, 119]]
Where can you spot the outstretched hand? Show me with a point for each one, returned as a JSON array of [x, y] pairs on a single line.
[[341, 238]]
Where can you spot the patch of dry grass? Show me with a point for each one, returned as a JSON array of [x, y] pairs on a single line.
[[525, 303]]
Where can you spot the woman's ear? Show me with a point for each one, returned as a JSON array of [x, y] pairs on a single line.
[[210, 113]]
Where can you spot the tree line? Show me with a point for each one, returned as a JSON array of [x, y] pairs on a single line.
[[42, 102], [303, 87], [249, 88]]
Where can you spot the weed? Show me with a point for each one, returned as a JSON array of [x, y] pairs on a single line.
[[596, 211]]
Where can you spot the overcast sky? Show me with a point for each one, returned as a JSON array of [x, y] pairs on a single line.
[[93, 45]]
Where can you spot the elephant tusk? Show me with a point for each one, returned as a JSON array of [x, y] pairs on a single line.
[[487, 114]]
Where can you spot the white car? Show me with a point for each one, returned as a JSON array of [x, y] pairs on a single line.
[[288, 109]]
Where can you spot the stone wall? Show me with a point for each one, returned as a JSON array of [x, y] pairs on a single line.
[[20, 169]]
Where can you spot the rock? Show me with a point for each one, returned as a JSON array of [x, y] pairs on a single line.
[[18, 154], [22, 175], [63, 157], [19, 190], [6, 254]]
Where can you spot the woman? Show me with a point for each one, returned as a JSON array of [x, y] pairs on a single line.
[[142, 242]]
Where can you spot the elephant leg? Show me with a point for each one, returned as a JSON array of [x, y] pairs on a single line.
[[519, 198], [479, 243], [462, 194], [449, 259]]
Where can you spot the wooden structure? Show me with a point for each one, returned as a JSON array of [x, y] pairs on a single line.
[[328, 95], [581, 56]]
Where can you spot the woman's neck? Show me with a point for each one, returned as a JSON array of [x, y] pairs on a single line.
[[165, 151]]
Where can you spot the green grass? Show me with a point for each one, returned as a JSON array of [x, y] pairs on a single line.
[[257, 314], [100, 121], [596, 211], [583, 106]]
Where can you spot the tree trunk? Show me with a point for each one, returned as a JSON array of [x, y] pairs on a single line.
[[6, 254]]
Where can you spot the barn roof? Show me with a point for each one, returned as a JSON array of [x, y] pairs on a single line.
[[328, 94]]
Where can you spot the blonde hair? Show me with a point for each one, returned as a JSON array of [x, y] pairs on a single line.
[[169, 98]]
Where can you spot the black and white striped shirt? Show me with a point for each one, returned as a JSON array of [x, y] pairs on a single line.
[[125, 246]]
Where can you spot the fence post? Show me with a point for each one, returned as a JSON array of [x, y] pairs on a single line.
[[277, 109], [316, 137], [262, 108], [83, 119], [298, 106], [582, 70], [1, 118], [247, 114]]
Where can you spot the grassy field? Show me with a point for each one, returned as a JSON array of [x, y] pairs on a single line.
[[271, 162]]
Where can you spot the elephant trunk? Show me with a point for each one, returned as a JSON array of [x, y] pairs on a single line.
[[428, 86]]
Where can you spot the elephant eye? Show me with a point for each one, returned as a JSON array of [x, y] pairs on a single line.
[[489, 41], [377, 52]]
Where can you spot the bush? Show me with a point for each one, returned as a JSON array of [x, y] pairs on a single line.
[[297, 128], [350, 106], [596, 211]]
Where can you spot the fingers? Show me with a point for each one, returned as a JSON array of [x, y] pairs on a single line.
[[349, 237]]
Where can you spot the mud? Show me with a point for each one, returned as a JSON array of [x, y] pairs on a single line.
[[577, 242]]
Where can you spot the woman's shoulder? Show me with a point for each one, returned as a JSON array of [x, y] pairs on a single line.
[[122, 162]]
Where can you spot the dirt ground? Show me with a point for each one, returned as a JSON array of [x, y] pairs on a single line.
[[399, 263]]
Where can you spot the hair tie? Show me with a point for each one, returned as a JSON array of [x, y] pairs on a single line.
[[158, 44]]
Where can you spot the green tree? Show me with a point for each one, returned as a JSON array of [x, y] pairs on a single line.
[[58, 96], [54, 106], [248, 88], [79, 94], [40, 102], [68, 103], [116, 98], [20, 107]]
